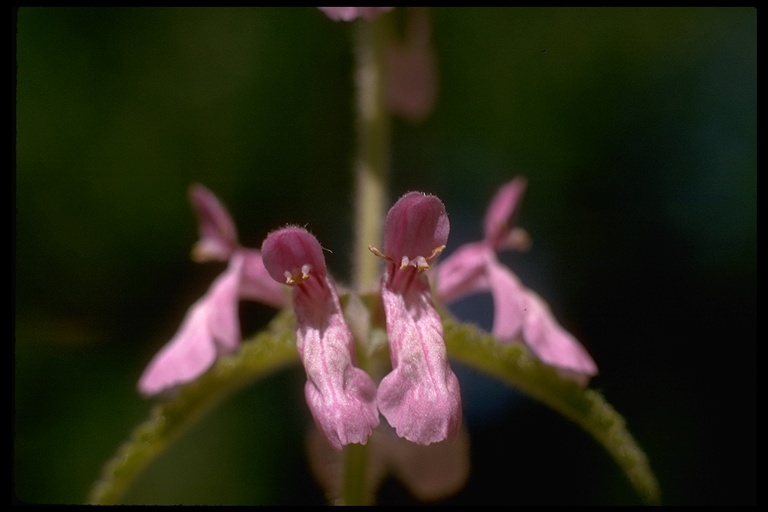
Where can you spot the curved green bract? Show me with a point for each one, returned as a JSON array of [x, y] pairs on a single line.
[[517, 366], [258, 357]]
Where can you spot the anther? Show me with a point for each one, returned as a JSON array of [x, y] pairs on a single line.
[[298, 275]]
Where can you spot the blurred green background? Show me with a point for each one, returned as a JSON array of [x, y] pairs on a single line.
[[635, 127]]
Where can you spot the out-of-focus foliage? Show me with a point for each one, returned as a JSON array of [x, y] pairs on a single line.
[[635, 127]]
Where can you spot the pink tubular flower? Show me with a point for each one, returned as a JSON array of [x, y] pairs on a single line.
[[211, 327], [352, 13], [420, 396], [341, 396], [518, 312]]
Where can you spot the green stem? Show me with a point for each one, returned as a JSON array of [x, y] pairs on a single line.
[[372, 164], [355, 488], [371, 174]]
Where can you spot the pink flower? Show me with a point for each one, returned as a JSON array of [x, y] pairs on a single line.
[[519, 313], [420, 396], [341, 396], [352, 13], [211, 327]]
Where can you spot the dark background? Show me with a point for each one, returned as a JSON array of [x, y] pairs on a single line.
[[636, 129]]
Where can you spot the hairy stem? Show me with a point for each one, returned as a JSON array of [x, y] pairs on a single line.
[[371, 174], [372, 163]]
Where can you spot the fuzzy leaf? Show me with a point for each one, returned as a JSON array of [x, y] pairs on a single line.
[[258, 357]]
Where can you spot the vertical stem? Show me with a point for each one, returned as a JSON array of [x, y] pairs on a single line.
[[355, 489], [372, 164], [371, 173]]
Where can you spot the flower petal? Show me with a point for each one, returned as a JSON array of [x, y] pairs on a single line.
[[550, 342], [420, 397], [500, 216], [508, 300], [340, 395], [415, 227], [257, 284], [462, 273], [218, 236], [209, 328], [289, 252], [518, 313], [474, 268]]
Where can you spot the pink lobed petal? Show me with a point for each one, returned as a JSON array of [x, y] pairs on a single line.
[[342, 397], [420, 397], [508, 300], [551, 342], [209, 328]]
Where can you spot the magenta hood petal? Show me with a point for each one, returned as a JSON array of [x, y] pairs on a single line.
[[291, 253], [416, 226], [340, 396]]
